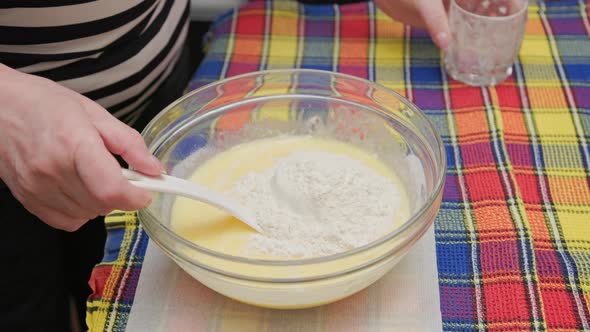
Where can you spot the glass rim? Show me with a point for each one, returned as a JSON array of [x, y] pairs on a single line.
[[416, 216], [493, 18]]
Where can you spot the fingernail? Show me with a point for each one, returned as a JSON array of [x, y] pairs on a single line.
[[146, 200], [443, 40], [157, 163]]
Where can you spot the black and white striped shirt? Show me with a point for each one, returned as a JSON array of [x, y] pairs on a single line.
[[116, 52]]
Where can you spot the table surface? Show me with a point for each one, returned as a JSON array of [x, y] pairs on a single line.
[[512, 237]]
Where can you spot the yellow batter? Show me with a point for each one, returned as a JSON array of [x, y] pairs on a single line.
[[214, 229]]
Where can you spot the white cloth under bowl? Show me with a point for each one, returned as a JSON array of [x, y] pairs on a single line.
[[406, 299]]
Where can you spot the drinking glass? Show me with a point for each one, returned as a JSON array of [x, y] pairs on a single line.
[[487, 35]]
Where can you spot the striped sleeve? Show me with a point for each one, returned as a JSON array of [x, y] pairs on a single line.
[[114, 52]]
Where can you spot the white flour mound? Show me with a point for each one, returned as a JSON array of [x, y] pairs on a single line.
[[312, 204]]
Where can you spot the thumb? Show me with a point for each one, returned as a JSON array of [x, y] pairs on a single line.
[[436, 21], [126, 142]]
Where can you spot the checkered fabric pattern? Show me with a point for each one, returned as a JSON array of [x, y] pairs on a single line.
[[513, 232]]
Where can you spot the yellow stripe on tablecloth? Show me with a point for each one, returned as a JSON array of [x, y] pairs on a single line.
[[554, 125], [575, 227], [284, 26], [278, 110], [99, 319], [535, 46], [389, 51]]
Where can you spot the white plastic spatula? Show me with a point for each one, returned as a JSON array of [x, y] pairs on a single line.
[[177, 186]]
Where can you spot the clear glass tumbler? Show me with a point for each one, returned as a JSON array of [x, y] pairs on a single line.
[[487, 35]]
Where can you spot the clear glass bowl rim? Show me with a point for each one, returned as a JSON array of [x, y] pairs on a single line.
[[440, 177]]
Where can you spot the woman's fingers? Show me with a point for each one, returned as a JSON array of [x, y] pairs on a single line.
[[101, 175], [436, 21], [429, 14]]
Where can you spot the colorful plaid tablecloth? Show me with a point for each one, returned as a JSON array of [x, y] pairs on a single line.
[[513, 232]]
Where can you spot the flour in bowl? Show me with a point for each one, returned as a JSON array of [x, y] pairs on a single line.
[[313, 203]]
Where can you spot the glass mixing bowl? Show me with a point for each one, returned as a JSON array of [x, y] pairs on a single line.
[[296, 102]]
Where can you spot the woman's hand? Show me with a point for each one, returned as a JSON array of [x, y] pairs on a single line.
[[55, 152], [429, 14]]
